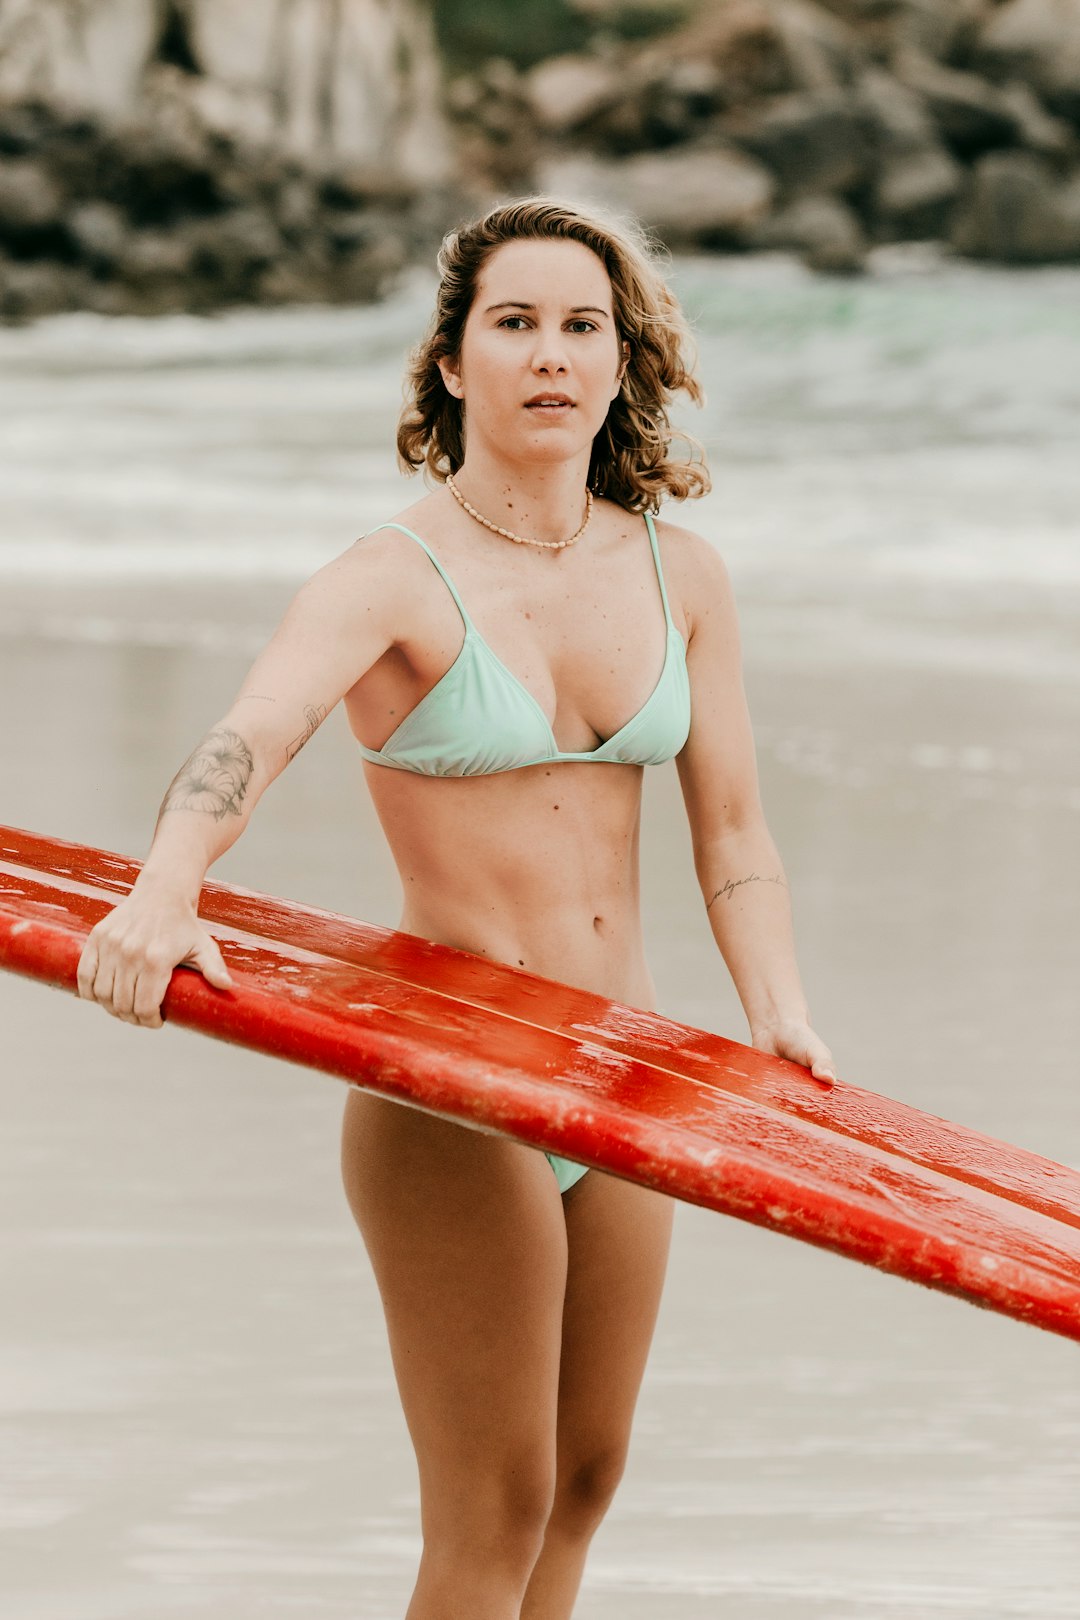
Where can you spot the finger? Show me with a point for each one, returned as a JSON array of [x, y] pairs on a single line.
[[150, 987], [103, 982], [87, 971], [211, 964], [123, 993]]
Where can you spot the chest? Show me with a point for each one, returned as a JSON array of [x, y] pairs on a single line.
[[588, 646]]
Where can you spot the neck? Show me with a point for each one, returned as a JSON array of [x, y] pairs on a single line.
[[544, 502]]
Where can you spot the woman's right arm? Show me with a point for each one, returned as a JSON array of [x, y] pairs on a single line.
[[337, 626]]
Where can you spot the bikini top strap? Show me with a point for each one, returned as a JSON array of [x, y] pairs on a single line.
[[650, 525], [447, 581]]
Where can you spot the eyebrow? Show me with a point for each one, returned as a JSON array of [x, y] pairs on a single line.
[[576, 309]]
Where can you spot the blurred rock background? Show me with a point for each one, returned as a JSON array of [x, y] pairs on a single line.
[[189, 154]]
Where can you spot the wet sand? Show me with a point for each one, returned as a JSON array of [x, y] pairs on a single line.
[[197, 1408]]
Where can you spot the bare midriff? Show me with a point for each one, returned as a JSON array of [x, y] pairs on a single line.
[[536, 867]]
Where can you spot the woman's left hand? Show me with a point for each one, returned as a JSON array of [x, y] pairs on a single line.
[[795, 1040]]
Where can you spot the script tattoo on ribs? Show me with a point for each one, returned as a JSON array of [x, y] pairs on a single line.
[[732, 884], [215, 777], [314, 714]]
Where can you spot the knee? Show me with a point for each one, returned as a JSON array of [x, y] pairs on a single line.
[[499, 1520], [585, 1491], [523, 1505]]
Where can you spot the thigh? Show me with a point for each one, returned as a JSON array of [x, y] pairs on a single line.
[[467, 1240], [618, 1240]]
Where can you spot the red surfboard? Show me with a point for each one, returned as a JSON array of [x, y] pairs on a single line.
[[658, 1102]]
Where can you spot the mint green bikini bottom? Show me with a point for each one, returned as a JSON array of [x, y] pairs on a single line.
[[566, 1171]]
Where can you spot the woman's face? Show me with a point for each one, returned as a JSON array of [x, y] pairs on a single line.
[[540, 357]]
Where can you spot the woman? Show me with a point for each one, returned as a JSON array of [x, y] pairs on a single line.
[[511, 655]]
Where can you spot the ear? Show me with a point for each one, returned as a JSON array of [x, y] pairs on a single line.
[[451, 376], [621, 373]]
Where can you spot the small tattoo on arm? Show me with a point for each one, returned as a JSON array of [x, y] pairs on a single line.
[[732, 884], [314, 714], [215, 777]]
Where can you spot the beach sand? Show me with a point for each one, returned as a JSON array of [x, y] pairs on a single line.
[[197, 1409]]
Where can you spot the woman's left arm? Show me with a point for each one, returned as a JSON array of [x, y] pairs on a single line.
[[738, 866]]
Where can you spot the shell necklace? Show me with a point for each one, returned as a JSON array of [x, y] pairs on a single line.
[[522, 539]]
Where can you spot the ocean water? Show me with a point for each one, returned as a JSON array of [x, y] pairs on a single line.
[[197, 1410], [919, 424]]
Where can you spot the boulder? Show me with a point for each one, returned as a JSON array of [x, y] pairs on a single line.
[[232, 250], [942, 29], [916, 180], [354, 232], [24, 126], [157, 179], [98, 234], [972, 115], [362, 276], [29, 291], [296, 207], [812, 142], [291, 282], [1037, 41], [821, 52], [156, 274], [743, 43], [896, 118], [770, 47], [689, 198], [153, 258], [915, 193], [496, 134], [628, 102], [824, 231], [695, 82], [1037, 129], [1017, 210], [359, 185], [31, 203], [565, 92]]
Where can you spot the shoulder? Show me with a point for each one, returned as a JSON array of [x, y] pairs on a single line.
[[695, 573], [387, 545], [382, 567]]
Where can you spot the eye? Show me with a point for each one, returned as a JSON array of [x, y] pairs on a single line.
[[580, 324], [506, 320]]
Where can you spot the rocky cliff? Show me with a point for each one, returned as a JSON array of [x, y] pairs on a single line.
[[184, 154], [823, 128], [160, 154]]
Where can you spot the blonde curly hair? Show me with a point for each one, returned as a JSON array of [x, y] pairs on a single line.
[[632, 461]]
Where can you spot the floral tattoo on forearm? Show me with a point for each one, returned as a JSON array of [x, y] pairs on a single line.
[[215, 778], [732, 884]]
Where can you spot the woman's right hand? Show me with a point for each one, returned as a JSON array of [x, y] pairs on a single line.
[[129, 956]]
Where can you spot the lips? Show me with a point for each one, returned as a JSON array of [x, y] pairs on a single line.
[[549, 402]]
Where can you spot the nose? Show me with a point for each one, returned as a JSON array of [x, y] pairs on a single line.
[[549, 353]]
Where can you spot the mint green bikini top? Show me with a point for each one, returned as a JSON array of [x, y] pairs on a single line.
[[479, 718]]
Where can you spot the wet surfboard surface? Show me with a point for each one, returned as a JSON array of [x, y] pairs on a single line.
[[502, 1050]]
